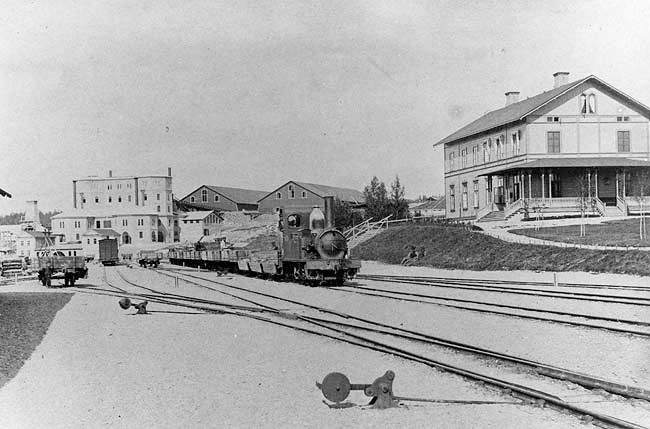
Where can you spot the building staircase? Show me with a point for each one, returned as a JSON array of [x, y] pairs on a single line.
[[364, 231], [493, 216]]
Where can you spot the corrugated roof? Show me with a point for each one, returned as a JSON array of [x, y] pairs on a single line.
[[104, 232], [518, 111], [343, 194], [197, 215], [574, 162], [239, 195]]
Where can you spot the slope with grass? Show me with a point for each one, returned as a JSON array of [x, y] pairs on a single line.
[[457, 248]]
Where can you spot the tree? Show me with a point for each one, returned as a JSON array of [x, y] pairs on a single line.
[[398, 205], [377, 204], [344, 216]]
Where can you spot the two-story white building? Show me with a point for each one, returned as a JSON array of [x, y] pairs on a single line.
[[580, 141]]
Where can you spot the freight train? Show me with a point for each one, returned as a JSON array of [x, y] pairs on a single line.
[[304, 246]]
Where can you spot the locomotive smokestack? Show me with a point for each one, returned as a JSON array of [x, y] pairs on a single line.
[[329, 212]]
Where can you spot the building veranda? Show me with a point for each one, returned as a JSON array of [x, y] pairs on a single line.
[[581, 148]]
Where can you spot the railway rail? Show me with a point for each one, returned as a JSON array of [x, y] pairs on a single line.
[[327, 326], [485, 287], [377, 327], [428, 299]]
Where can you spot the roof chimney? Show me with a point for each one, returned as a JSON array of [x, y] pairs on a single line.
[[512, 97], [110, 173], [561, 78], [169, 171]]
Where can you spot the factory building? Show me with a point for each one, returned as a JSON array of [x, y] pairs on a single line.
[[301, 195]]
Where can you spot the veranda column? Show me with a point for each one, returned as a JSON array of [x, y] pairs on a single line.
[[596, 182], [589, 182], [624, 180], [617, 195], [550, 190], [543, 185], [529, 186]]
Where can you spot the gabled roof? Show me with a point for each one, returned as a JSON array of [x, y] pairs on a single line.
[[104, 232], [343, 194], [518, 111], [431, 205], [107, 212], [5, 193], [196, 215], [236, 195]]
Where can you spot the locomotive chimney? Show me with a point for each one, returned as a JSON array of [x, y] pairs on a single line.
[[110, 173], [329, 212]]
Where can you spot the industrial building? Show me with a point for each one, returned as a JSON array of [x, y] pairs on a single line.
[[301, 195]]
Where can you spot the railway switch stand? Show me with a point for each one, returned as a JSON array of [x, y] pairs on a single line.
[[336, 387], [126, 303]]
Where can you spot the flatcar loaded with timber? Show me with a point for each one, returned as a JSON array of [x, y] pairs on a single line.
[[301, 245]]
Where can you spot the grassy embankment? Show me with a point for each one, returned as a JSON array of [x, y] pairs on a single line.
[[24, 320], [623, 233], [456, 248]]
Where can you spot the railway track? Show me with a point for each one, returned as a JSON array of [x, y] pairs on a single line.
[[495, 288], [351, 323], [429, 299]]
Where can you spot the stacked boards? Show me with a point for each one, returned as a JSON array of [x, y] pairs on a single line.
[[256, 238]]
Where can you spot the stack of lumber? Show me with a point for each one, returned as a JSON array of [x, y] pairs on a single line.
[[258, 236]]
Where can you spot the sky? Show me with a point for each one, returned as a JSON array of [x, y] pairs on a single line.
[[255, 93]]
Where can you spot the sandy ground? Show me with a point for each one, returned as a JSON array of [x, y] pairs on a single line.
[[100, 366]]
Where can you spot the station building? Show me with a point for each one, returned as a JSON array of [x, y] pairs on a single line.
[[301, 196], [546, 155]]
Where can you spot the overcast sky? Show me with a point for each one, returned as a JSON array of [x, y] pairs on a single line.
[[253, 94]]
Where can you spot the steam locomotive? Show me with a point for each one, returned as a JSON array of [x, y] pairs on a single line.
[[306, 248]]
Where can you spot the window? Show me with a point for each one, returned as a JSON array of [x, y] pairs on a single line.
[[96, 199], [516, 137], [499, 144], [83, 200], [452, 198], [592, 103], [89, 241], [553, 141], [158, 197], [153, 236], [303, 194], [216, 198], [452, 163], [158, 209], [191, 199], [110, 199], [486, 152], [129, 198], [293, 221], [292, 192], [552, 119], [464, 197], [144, 197], [204, 195], [278, 195], [61, 224], [77, 236], [463, 157], [587, 103], [107, 224], [119, 186], [119, 199], [98, 224], [476, 194], [125, 222], [622, 118], [169, 209], [623, 140], [140, 234], [475, 155]]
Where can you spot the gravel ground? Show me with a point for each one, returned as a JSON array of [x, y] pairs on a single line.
[[101, 366]]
